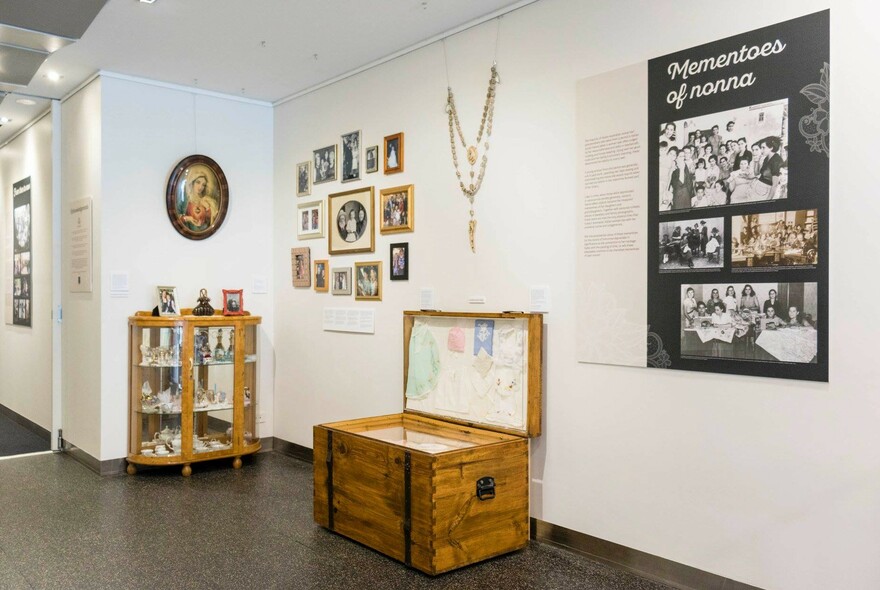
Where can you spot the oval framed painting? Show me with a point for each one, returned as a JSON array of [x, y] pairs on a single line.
[[197, 197]]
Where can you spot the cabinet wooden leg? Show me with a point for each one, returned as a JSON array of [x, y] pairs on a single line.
[[186, 471], [236, 463], [131, 469]]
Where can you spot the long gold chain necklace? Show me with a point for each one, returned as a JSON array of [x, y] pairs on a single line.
[[475, 181]]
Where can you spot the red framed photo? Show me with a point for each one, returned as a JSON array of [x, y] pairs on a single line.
[[233, 301]]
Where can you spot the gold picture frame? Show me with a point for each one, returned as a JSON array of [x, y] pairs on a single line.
[[350, 220], [367, 280], [397, 209], [322, 276]]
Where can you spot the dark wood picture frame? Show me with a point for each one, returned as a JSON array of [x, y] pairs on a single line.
[[393, 153], [197, 209]]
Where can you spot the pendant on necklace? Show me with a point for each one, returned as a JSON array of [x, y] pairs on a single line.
[[472, 229], [472, 155]]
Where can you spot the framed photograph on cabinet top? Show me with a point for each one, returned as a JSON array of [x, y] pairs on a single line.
[[310, 220], [301, 267], [197, 197], [341, 278], [321, 278], [351, 156], [400, 262], [351, 222], [167, 297], [324, 160], [394, 153], [368, 280], [397, 208], [304, 179], [233, 302], [372, 159]]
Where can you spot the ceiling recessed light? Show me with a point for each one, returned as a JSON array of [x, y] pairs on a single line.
[[5, 120], [147, 1], [26, 102], [52, 76]]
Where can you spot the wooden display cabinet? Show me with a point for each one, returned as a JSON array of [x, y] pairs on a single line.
[[445, 483], [192, 389]]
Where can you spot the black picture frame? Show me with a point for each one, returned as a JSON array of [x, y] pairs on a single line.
[[398, 271]]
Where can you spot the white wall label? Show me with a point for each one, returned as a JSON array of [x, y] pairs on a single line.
[[426, 298], [119, 284], [342, 319], [539, 299]]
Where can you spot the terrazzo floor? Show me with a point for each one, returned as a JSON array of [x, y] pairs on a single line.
[[62, 526], [17, 440]]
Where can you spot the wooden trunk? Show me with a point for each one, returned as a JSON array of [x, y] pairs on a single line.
[[436, 492], [421, 508]]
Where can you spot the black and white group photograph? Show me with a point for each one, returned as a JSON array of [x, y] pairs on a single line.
[[325, 164], [781, 238], [774, 322], [691, 244], [352, 221], [726, 158], [22, 217], [351, 156]]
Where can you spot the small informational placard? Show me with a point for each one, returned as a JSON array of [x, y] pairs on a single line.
[[426, 298], [118, 284], [344, 319], [539, 299], [80, 245]]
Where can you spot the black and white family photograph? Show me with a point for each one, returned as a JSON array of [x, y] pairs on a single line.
[[351, 156], [21, 309], [325, 164], [750, 321], [352, 221], [726, 158], [341, 278], [691, 244], [303, 179], [782, 238]]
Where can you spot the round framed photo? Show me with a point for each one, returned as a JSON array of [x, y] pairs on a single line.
[[197, 197]]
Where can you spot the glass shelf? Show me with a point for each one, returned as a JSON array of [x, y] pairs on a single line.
[[149, 366], [157, 412], [214, 364], [214, 408]]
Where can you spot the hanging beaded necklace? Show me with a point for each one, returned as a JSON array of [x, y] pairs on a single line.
[[475, 181]]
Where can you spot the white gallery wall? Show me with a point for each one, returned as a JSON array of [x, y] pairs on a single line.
[[769, 482], [81, 327], [26, 352], [121, 139]]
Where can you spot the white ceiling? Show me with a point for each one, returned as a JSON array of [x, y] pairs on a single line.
[[259, 49]]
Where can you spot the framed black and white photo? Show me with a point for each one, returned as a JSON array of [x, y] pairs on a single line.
[[351, 156], [351, 222], [324, 161], [372, 159], [340, 281], [303, 179], [399, 262]]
